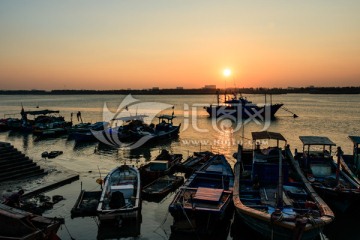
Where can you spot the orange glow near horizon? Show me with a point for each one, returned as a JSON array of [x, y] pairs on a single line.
[[169, 45]]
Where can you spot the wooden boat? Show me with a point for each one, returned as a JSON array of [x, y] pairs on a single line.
[[161, 187], [194, 162], [272, 196], [86, 132], [351, 163], [165, 129], [164, 164], [86, 204], [17, 224], [336, 187], [205, 199], [120, 197]]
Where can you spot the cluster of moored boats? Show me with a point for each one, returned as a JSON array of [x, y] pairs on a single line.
[[49, 124], [276, 193]]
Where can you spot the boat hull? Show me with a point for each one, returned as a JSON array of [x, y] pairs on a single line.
[[205, 199], [120, 198], [243, 112], [269, 230]]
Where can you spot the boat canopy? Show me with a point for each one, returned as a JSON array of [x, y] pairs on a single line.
[[168, 117], [316, 140], [355, 139], [130, 118], [267, 135], [41, 112]]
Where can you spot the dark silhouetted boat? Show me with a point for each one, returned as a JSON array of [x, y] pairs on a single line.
[[205, 199], [161, 187], [164, 164], [327, 177], [351, 163], [120, 198], [194, 162], [17, 224], [242, 108], [272, 196]]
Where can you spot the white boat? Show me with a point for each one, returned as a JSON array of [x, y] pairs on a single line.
[[120, 197]]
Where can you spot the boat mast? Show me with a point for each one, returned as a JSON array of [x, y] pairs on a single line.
[[279, 202]]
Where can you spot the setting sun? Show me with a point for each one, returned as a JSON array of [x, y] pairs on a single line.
[[227, 72]]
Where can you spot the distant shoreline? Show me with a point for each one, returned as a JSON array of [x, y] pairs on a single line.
[[200, 91]]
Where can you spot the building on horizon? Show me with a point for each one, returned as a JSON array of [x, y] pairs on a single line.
[[209, 87]]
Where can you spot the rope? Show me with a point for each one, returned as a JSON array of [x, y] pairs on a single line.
[[71, 237]]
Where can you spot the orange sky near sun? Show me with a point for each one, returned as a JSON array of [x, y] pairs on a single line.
[[168, 44]]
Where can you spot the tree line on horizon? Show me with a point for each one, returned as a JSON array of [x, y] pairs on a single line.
[[311, 90]]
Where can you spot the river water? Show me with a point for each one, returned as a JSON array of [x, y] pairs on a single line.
[[334, 116]]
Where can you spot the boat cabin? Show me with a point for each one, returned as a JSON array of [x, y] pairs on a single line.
[[158, 165], [317, 155], [265, 168]]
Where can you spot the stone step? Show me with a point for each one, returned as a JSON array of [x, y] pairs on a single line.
[[19, 171], [37, 173], [22, 165], [6, 155], [16, 160], [14, 164]]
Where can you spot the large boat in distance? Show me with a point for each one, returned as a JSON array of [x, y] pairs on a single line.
[[241, 108]]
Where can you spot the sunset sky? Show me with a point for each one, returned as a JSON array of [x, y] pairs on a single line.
[[92, 44]]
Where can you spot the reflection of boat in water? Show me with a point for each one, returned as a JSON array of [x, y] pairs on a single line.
[[273, 197], [17, 224], [120, 197], [128, 230], [327, 177], [241, 108], [205, 199], [158, 189]]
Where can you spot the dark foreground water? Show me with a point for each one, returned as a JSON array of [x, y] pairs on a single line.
[[335, 116]]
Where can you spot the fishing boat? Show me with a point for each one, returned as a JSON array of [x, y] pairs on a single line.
[[272, 196], [165, 129], [120, 198], [17, 224], [194, 162], [161, 187], [164, 164], [241, 108], [327, 177], [131, 125], [205, 199], [351, 163]]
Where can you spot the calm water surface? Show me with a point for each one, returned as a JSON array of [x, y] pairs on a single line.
[[334, 116]]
